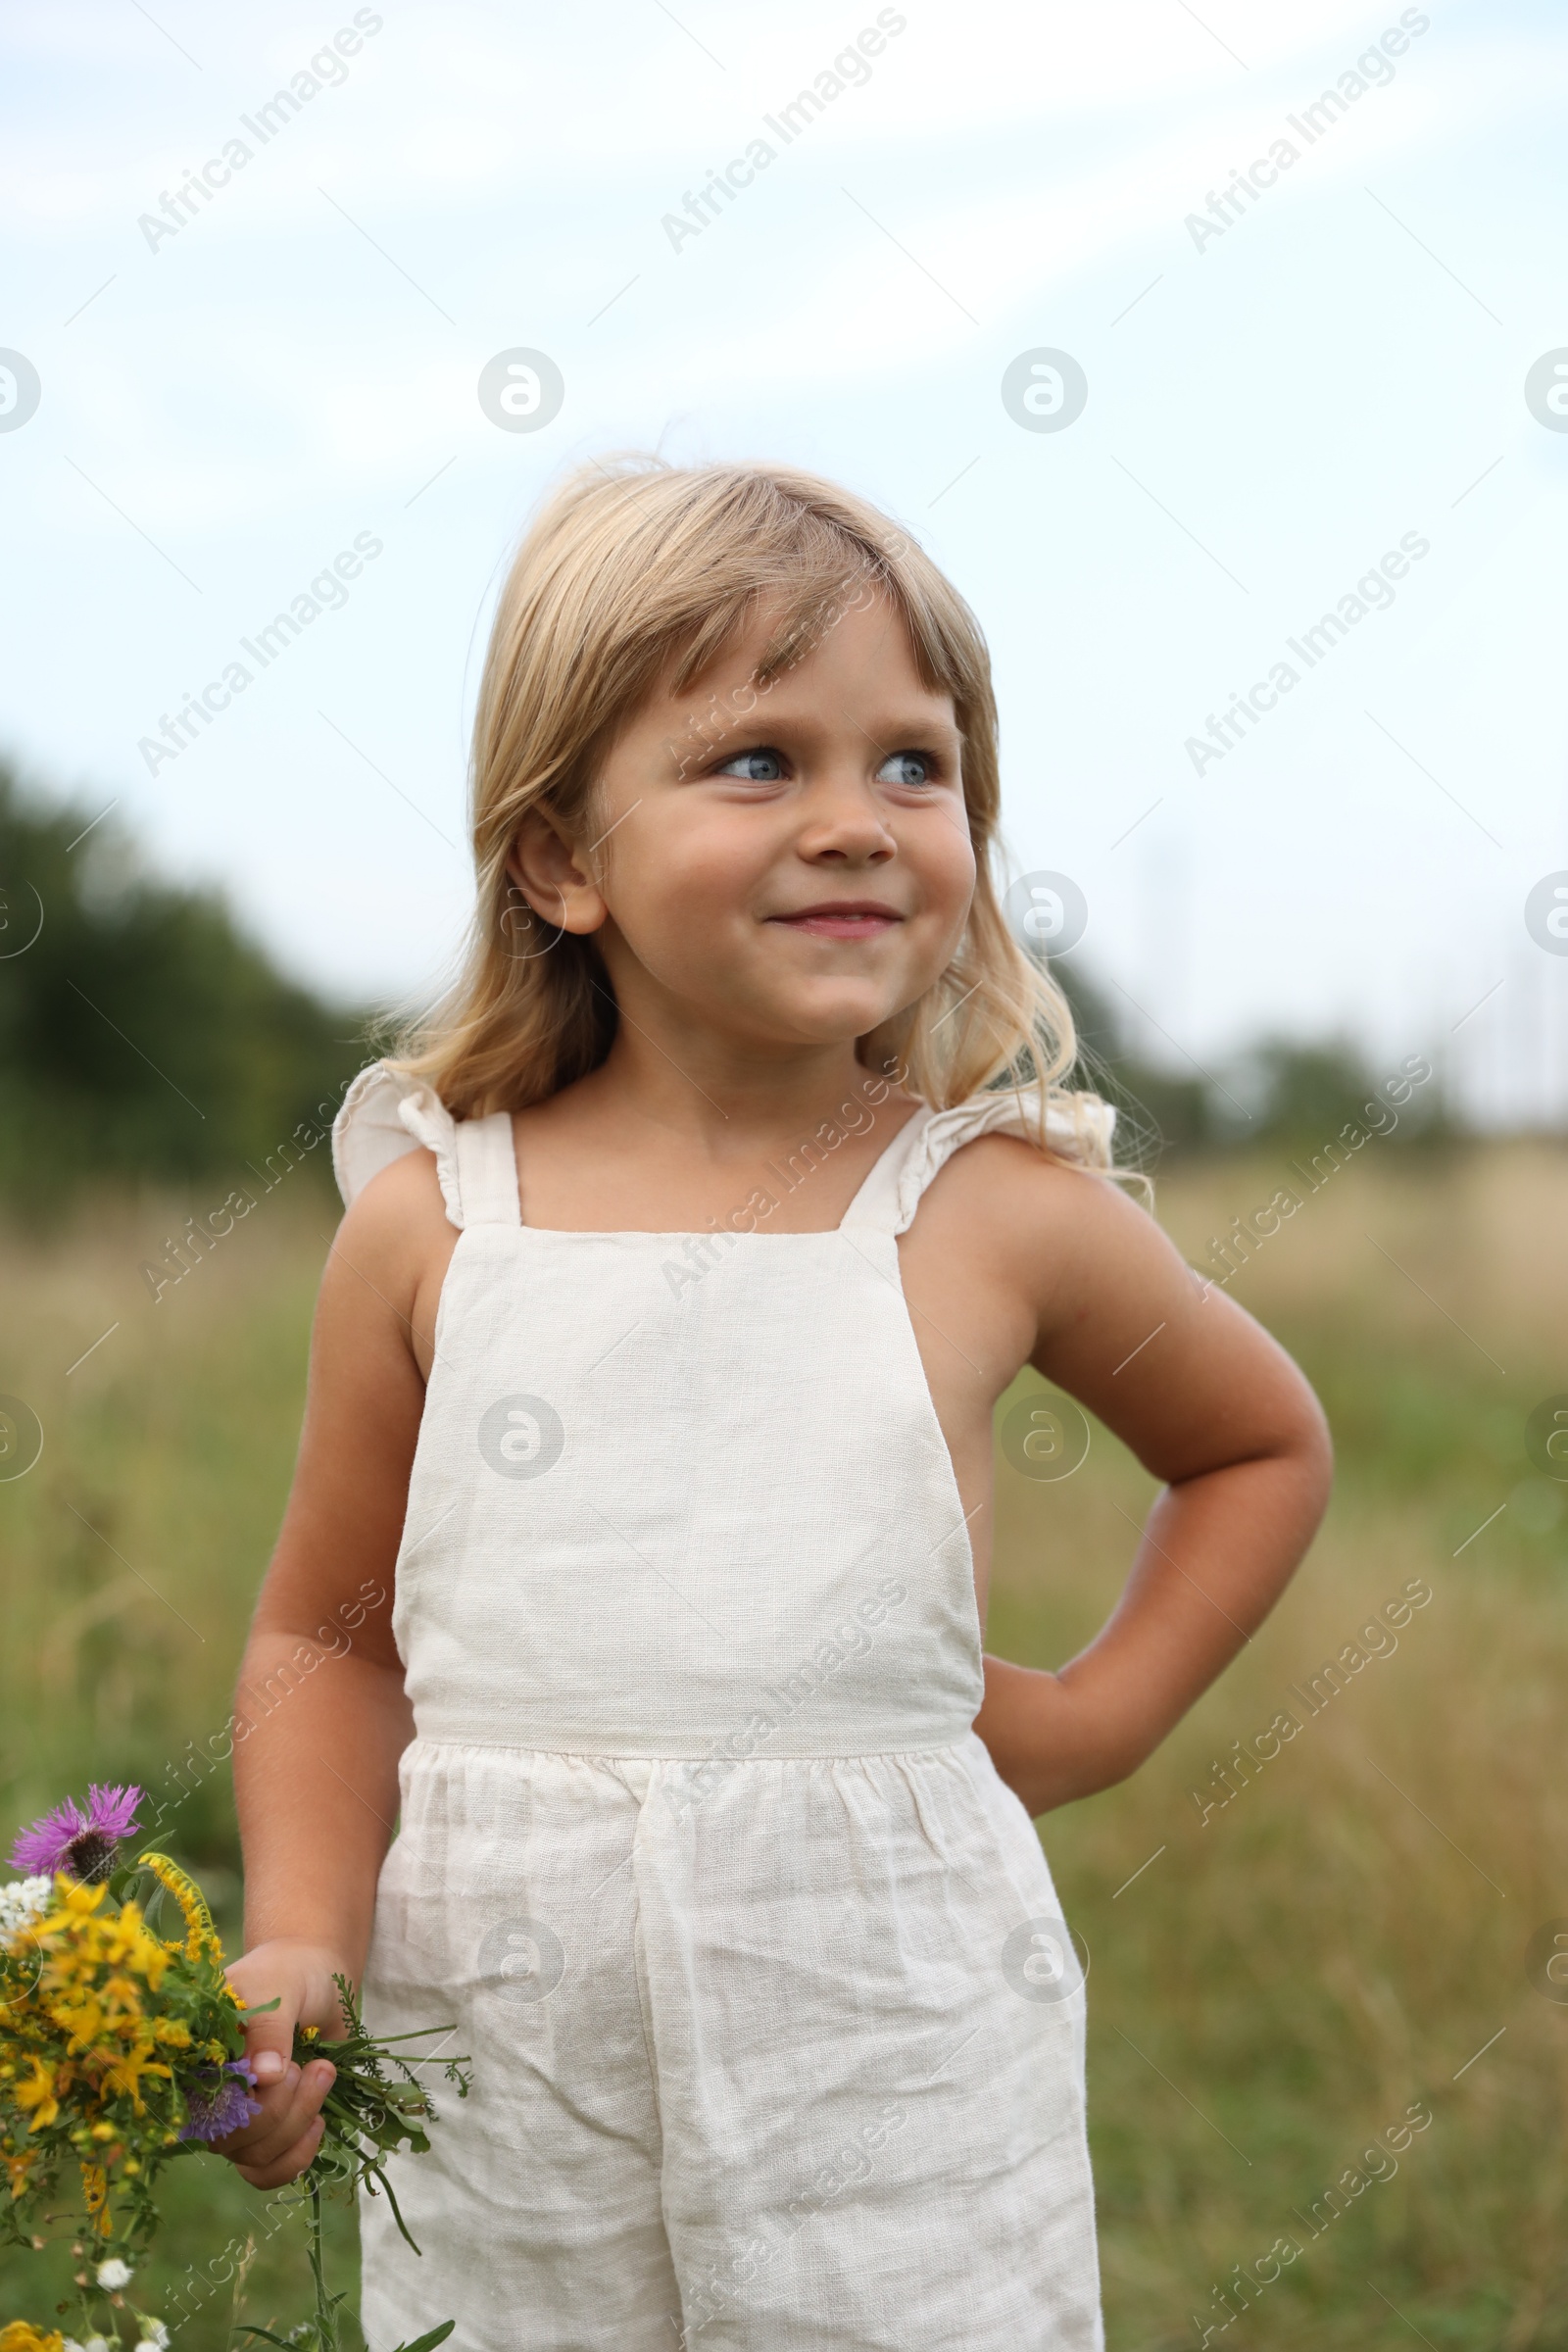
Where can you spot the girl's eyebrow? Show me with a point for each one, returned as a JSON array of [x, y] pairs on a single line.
[[762, 723], [890, 737], [711, 730], [900, 735]]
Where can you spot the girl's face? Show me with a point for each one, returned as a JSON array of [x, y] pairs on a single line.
[[787, 865]]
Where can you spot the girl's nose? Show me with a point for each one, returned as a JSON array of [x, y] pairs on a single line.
[[844, 819]]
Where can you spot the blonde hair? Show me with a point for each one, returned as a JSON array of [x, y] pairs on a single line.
[[636, 572]]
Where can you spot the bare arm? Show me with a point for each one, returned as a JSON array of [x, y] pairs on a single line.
[[321, 1715], [1211, 1406]]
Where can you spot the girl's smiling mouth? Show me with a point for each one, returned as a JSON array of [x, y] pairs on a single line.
[[841, 918]]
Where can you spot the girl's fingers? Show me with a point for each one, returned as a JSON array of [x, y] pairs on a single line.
[[319, 2077], [279, 2137], [302, 2091], [287, 2167], [264, 2130], [288, 2112], [268, 2040]]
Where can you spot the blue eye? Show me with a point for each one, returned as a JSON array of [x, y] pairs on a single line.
[[906, 767], [759, 766]]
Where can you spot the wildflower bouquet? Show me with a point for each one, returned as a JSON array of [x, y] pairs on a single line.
[[122, 2049]]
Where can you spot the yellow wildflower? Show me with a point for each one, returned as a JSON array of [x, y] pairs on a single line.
[[126, 2075], [201, 1934], [77, 1901], [21, 2335], [40, 2095], [84, 2021]]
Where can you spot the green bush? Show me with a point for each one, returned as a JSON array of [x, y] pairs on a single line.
[[141, 1033]]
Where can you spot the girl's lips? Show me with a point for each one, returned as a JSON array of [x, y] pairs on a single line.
[[840, 922]]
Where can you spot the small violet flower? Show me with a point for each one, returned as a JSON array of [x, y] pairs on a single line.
[[220, 2101]]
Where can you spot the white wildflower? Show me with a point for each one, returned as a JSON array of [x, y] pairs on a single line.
[[22, 1903], [154, 2337], [113, 2273]]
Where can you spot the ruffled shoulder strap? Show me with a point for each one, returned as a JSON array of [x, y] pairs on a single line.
[[385, 1114], [891, 1194]]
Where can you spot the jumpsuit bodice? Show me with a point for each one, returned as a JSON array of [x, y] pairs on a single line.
[[676, 1492]]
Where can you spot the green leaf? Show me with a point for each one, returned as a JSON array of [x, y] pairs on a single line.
[[428, 2343], [386, 2191]]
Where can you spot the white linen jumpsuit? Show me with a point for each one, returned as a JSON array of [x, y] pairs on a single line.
[[777, 2031]]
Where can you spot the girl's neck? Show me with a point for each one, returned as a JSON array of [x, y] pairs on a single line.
[[723, 1103], [636, 1148]]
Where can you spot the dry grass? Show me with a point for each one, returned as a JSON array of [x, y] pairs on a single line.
[[1270, 1993]]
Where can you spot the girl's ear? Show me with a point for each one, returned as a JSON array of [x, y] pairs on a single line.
[[554, 877]]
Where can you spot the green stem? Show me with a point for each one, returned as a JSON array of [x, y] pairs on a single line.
[[325, 2318]]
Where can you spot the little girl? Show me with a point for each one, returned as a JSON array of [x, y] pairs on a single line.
[[687, 1253]]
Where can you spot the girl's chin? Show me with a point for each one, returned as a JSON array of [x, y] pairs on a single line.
[[788, 1028], [827, 1011], [769, 1012]]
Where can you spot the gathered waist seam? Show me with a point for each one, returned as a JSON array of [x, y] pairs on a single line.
[[712, 1754]]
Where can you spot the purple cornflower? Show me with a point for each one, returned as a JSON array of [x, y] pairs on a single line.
[[81, 1844], [218, 2106]]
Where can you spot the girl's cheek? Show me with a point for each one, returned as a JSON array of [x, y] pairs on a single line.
[[945, 850]]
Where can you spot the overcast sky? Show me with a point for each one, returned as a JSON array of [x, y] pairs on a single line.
[[1281, 393]]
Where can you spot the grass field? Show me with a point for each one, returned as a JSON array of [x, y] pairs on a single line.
[[1272, 1988]]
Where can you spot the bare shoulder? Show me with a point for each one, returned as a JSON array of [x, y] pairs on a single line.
[[396, 1234], [1075, 1249], [1044, 1215], [1170, 1364]]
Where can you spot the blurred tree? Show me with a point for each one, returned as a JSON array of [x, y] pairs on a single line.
[[1301, 1096], [140, 1032], [1279, 1093]]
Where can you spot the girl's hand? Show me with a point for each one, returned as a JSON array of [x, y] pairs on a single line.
[[278, 2144]]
